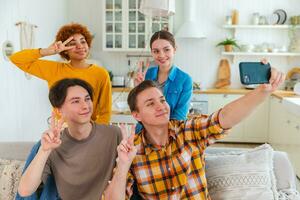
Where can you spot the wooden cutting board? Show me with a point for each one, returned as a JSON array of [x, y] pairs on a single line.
[[223, 77]]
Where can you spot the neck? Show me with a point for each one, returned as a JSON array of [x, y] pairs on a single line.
[[163, 74], [157, 135], [79, 63], [80, 131]]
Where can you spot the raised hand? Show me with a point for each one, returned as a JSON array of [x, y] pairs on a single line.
[[57, 47], [275, 81], [51, 137], [140, 76], [126, 149]]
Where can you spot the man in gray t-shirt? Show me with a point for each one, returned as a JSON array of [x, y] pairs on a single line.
[[82, 156]]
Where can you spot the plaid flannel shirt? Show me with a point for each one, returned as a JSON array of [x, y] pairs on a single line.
[[177, 170]]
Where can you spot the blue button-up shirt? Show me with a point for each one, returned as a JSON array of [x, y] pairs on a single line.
[[178, 90]]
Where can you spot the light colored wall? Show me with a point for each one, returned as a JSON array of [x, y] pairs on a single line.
[[24, 103], [200, 58]]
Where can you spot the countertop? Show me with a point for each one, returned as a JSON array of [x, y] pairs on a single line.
[[278, 93]]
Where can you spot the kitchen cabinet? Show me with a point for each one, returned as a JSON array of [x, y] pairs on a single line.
[[126, 29], [253, 129], [284, 134], [235, 28]]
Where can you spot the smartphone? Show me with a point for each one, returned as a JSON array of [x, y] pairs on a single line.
[[254, 73]]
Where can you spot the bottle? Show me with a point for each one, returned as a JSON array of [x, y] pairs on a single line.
[[235, 17], [255, 18]]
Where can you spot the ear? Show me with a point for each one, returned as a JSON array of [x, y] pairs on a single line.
[[136, 115]]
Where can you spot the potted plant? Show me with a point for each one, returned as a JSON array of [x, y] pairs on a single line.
[[228, 44]]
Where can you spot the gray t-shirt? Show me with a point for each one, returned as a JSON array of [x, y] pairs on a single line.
[[82, 168]]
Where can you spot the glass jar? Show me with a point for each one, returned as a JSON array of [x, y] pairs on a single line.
[[228, 20], [255, 18]]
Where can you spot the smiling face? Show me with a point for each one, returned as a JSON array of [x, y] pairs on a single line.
[[163, 52], [152, 108], [77, 107], [81, 48]]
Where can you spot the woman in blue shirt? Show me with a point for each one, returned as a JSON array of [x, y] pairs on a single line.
[[176, 85]]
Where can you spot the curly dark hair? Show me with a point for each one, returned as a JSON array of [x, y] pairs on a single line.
[[68, 30]]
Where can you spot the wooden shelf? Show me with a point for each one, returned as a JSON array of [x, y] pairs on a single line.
[[260, 26], [261, 54]]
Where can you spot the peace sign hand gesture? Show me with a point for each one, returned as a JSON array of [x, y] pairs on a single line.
[[126, 149], [51, 137], [57, 47], [140, 76]]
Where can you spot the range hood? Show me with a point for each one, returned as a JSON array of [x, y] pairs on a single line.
[[190, 28]]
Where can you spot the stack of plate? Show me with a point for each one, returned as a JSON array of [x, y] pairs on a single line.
[[278, 17]]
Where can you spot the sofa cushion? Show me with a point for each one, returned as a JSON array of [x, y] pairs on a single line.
[[242, 175], [10, 173]]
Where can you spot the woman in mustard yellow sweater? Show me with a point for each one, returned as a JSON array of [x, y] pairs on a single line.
[[73, 42]]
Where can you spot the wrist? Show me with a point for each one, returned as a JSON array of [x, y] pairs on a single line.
[[46, 52], [45, 151]]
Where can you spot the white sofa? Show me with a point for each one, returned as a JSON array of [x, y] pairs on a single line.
[[14, 154]]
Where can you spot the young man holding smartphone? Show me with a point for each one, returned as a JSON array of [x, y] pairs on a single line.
[[166, 159]]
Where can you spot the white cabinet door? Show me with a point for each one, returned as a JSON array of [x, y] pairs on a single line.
[[253, 129], [278, 122], [284, 132], [126, 29], [256, 125]]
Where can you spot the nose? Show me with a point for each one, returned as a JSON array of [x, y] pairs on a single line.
[[159, 106], [78, 45], [84, 105], [161, 53]]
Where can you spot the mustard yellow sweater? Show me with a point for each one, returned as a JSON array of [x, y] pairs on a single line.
[[52, 71]]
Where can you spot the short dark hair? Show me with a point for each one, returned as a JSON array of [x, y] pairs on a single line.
[[164, 35], [58, 91], [132, 96]]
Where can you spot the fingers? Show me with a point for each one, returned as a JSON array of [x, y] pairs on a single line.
[[123, 130], [67, 40], [132, 135], [276, 79], [264, 61], [273, 75], [124, 146], [52, 120]]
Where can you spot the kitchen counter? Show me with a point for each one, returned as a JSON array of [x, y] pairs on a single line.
[[278, 93]]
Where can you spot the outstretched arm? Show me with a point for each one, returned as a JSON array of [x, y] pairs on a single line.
[[239, 109]]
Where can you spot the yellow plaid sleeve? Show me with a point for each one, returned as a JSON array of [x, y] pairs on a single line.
[[129, 184], [207, 128]]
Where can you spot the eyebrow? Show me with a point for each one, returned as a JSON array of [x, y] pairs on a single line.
[[82, 38], [76, 98], [166, 47], [151, 99]]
